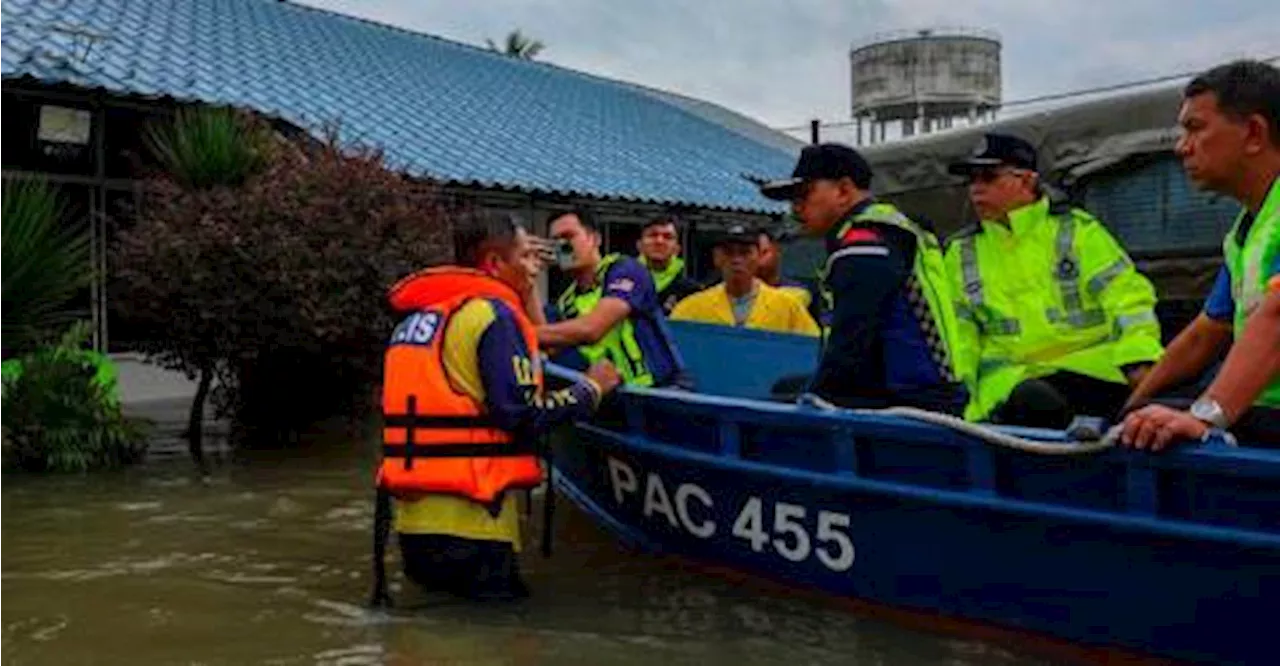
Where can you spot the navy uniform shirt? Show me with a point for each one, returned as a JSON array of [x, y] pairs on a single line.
[[877, 353]]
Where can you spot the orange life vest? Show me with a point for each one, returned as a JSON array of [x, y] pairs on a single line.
[[436, 439]]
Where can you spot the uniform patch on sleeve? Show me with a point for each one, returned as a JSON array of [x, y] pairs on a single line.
[[623, 284], [856, 234]]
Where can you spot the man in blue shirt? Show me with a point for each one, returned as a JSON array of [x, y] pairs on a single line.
[[611, 309], [1230, 143]]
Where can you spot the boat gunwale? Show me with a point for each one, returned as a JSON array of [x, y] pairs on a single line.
[[1167, 527], [1216, 452]]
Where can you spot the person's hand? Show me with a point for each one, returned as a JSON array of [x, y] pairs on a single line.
[[604, 375], [541, 254], [1155, 426]]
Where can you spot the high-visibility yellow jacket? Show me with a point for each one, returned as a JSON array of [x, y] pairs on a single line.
[[1253, 265], [1050, 291]]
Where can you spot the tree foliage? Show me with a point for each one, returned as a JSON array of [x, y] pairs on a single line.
[[278, 283]]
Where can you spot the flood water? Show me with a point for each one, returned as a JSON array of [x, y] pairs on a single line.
[[267, 561]]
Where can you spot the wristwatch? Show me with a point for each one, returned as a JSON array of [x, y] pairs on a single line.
[[1209, 411]]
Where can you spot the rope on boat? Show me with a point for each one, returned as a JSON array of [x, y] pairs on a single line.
[[985, 433]]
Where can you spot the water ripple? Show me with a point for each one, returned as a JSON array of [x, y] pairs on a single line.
[[356, 655]]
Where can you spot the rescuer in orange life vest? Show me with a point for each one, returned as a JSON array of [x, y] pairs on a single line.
[[463, 405]]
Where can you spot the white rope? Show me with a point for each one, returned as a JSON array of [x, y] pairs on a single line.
[[982, 432]]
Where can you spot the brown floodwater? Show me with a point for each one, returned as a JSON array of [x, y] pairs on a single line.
[[266, 561]]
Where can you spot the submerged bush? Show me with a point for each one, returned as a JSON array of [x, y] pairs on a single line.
[[61, 412]]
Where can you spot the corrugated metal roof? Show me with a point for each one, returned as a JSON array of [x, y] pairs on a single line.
[[440, 109]]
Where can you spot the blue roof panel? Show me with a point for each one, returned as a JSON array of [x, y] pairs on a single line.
[[438, 108]]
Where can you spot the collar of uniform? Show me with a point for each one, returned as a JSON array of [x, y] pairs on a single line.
[[575, 288], [1270, 203], [664, 277], [834, 232], [597, 276], [1021, 220], [1246, 218]]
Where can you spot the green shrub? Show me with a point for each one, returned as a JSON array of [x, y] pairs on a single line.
[[61, 412]]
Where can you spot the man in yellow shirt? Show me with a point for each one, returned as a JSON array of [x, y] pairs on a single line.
[[743, 299]]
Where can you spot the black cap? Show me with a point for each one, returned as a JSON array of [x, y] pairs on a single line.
[[995, 150], [823, 161], [738, 234]]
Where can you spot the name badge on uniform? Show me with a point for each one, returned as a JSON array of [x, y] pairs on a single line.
[[1068, 270]]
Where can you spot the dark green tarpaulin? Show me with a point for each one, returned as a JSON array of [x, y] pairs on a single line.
[[1076, 143]]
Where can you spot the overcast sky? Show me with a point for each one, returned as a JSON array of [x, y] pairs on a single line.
[[787, 61]]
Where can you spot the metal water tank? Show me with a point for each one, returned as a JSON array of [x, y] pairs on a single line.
[[924, 80]]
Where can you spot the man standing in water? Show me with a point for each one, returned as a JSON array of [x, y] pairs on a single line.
[[463, 405], [1230, 144]]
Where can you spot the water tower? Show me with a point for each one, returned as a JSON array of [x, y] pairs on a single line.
[[924, 80]]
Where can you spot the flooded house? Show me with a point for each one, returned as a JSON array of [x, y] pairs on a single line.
[[83, 79]]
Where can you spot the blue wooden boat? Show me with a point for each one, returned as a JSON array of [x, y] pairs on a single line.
[[1175, 555]]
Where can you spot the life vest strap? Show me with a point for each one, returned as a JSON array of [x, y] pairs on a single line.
[[426, 422], [460, 450]]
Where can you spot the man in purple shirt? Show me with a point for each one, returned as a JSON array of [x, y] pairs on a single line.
[[610, 310]]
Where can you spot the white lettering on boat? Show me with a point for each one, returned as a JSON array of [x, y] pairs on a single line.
[[624, 482], [790, 537]]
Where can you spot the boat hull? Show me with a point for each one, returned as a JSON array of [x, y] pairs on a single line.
[[1171, 591], [1174, 554]]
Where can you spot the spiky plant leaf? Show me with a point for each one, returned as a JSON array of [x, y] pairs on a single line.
[[46, 262], [207, 147]]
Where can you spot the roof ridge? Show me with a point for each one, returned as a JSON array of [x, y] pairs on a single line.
[[537, 63]]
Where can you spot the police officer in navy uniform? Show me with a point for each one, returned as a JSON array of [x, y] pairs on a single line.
[[885, 282]]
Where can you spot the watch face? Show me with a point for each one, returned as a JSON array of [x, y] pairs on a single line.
[[1199, 409], [1207, 410]]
